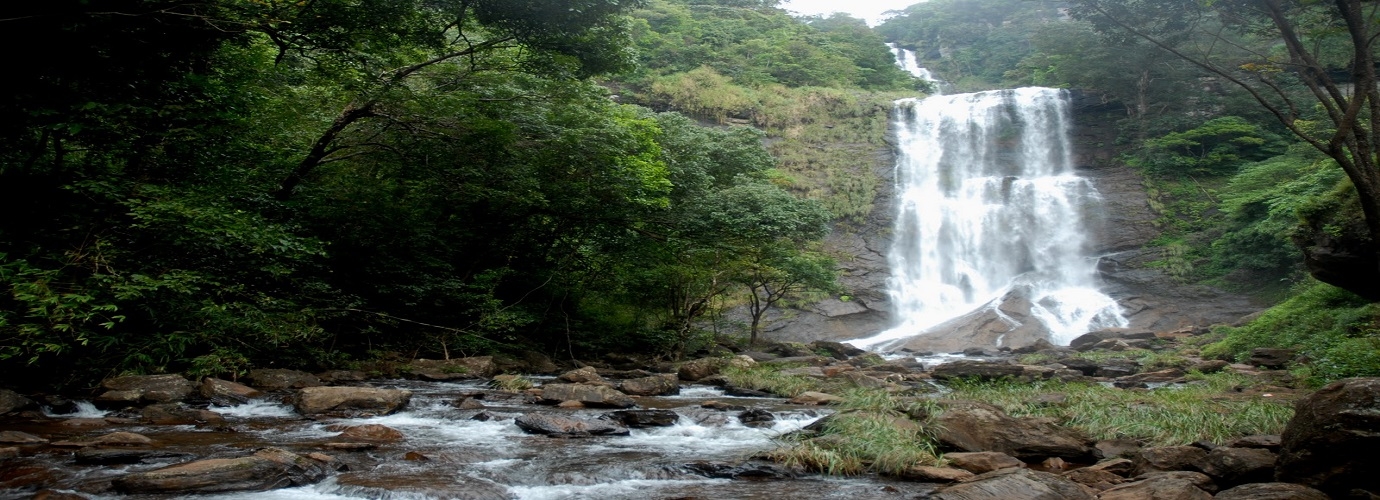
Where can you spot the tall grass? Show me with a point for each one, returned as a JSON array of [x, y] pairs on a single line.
[[872, 432], [1208, 409], [769, 379]]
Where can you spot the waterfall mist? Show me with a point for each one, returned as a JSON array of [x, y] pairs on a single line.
[[991, 217]]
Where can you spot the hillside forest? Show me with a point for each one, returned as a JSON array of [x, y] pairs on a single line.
[[205, 187]]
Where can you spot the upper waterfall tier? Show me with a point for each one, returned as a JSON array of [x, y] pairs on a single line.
[[991, 224]]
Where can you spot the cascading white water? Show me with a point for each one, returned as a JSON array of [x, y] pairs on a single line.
[[989, 205], [909, 62]]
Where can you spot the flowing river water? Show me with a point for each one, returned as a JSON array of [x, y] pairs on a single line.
[[448, 454]]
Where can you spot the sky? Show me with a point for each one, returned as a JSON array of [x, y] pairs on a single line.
[[869, 10]]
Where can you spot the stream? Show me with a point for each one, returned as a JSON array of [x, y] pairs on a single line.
[[448, 454]]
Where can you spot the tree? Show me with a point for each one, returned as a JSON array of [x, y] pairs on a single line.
[[1329, 49], [581, 38], [772, 273]]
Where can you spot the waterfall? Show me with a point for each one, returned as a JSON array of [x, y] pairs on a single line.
[[910, 62], [991, 217]]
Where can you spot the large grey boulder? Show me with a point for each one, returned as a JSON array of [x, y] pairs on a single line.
[[972, 426], [266, 469], [1330, 443], [277, 379], [455, 368], [227, 393], [980, 370], [11, 401], [661, 384], [643, 418], [1007, 484], [143, 389], [696, 369], [558, 426], [350, 402], [1232, 466], [1161, 486], [589, 395], [1170, 458]]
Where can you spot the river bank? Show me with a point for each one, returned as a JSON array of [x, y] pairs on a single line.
[[1119, 412]]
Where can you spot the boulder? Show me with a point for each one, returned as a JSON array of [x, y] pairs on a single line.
[[757, 418], [115, 400], [1086, 341], [664, 384], [1169, 458], [1330, 443], [1119, 466], [1210, 366], [1271, 491], [927, 474], [972, 426], [17, 437], [276, 379], [1007, 484], [588, 395], [227, 393], [980, 370], [696, 369], [1266, 441], [815, 398], [1233, 466], [177, 414], [341, 377], [1116, 367], [982, 462], [11, 402], [350, 402], [266, 469], [582, 375], [470, 404], [1096, 479], [137, 389], [749, 471], [558, 426], [1155, 377], [372, 433], [113, 456], [643, 418], [835, 350], [454, 369], [121, 439], [1266, 357], [1114, 448], [1157, 487]]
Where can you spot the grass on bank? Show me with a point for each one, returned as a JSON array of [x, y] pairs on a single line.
[[769, 379], [872, 432], [1338, 332], [1207, 409], [875, 431]]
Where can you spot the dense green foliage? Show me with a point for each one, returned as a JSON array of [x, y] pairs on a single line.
[[213, 186], [971, 43], [1338, 331], [755, 45]]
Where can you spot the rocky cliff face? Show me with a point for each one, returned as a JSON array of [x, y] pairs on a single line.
[[861, 251], [1151, 299]]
